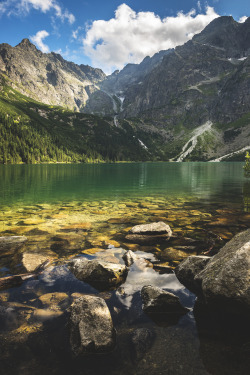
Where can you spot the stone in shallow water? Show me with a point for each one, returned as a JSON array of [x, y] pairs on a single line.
[[54, 300], [31, 261], [225, 280], [188, 269], [46, 314], [76, 227], [151, 229], [129, 258], [142, 339], [101, 275], [91, 326], [172, 254], [157, 300], [11, 243]]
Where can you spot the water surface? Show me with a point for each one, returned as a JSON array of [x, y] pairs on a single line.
[[67, 211]]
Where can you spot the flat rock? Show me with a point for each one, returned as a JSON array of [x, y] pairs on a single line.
[[31, 261], [157, 301], [225, 281], [152, 228], [188, 269], [91, 326], [100, 274]]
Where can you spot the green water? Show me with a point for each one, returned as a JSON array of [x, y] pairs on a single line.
[[29, 184], [67, 211]]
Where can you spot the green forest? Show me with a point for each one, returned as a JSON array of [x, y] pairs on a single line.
[[32, 132]]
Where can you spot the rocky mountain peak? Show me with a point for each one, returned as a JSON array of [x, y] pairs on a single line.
[[26, 44]]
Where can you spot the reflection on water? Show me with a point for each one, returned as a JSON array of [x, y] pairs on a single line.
[[53, 183], [67, 211]]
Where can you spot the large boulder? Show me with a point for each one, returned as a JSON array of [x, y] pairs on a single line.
[[156, 300], [188, 269], [225, 281], [101, 275], [91, 326]]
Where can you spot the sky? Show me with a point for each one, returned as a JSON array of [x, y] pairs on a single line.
[[108, 34]]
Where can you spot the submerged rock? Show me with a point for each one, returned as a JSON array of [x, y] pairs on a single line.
[[225, 280], [11, 243], [152, 228], [157, 300], [188, 269], [142, 339], [91, 326], [101, 275], [31, 261]]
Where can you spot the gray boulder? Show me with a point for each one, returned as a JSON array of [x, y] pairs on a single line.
[[152, 229], [156, 300], [225, 281], [188, 269], [101, 275], [91, 326]]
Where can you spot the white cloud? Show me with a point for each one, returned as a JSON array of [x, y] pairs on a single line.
[[199, 5], [243, 19], [131, 36], [20, 8], [38, 40]]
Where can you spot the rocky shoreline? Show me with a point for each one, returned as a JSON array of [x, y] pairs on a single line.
[[119, 293]]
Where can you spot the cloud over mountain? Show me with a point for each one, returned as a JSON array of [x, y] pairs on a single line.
[[130, 36], [38, 40]]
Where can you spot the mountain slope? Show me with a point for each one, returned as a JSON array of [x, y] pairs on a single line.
[[47, 78], [33, 132]]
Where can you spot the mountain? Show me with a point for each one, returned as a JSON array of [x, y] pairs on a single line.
[[188, 103], [47, 78], [205, 81]]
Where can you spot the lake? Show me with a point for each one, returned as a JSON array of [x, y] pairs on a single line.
[[68, 211]]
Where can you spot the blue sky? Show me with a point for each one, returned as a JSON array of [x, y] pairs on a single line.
[[111, 33]]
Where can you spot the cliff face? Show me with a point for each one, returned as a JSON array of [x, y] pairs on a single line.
[[47, 78]]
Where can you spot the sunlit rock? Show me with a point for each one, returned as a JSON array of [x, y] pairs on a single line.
[[152, 228], [225, 281], [101, 275], [54, 300], [91, 326], [31, 261]]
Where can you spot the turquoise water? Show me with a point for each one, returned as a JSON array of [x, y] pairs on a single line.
[[29, 184], [50, 203]]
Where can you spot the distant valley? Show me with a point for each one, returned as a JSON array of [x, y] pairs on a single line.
[[191, 103]]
